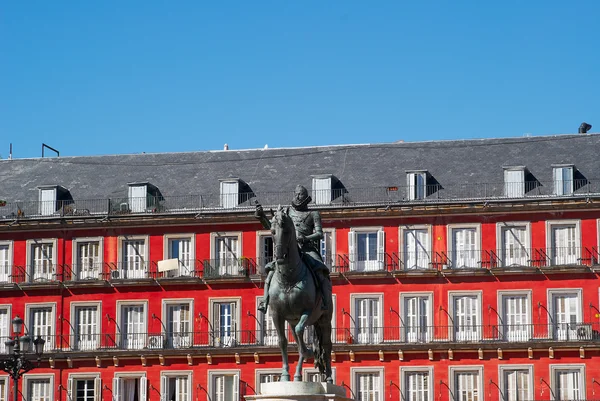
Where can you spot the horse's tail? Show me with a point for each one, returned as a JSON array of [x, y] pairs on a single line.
[[322, 344]]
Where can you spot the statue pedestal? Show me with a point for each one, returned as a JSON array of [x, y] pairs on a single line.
[[299, 391]]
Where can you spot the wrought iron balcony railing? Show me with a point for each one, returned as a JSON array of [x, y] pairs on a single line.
[[337, 197]]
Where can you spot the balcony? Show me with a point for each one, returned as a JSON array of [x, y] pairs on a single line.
[[335, 198], [228, 268]]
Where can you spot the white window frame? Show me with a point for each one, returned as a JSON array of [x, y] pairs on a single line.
[[450, 242], [514, 189], [451, 311], [212, 374], [41, 241], [41, 208], [332, 231], [167, 374], [310, 371], [260, 258], [229, 203], [213, 249], [36, 376], [550, 293], [404, 370], [133, 202], [453, 370], [8, 308], [501, 227], [319, 198], [166, 303], [502, 369], [10, 260], [132, 375], [354, 372], [260, 372], [353, 253], [501, 312], [402, 230], [75, 257], [238, 314], [7, 383], [550, 224], [378, 331], [122, 239], [559, 190], [73, 377], [119, 329], [48, 346], [72, 319], [412, 189], [571, 366], [166, 250], [430, 329]]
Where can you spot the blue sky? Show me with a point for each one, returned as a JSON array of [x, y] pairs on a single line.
[[111, 77]]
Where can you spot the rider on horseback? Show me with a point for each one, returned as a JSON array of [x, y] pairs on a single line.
[[308, 234]]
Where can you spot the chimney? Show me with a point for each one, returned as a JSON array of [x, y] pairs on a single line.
[[226, 147], [584, 128]]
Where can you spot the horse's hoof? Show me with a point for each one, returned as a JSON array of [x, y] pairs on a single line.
[[329, 380], [285, 378], [298, 378]]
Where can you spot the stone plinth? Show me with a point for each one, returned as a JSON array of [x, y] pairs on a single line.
[[299, 391]]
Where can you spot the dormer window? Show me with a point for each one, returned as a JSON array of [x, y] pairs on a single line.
[[563, 179], [416, 184], [142, 196], [514, 181], [230, 190], [321, 189], [50, 197]]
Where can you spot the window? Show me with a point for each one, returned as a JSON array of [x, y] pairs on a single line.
[[224, 386], [84, 388], [367, 311], [516, 316], [367, 384], [5, 326], [226, 251], [416, 247], [130, 387], [466, 316], [265, 249], [417, 383], [417, 317], [176, 386], [416, 184], [466, 383], [134, 254], [38, 387], [182, 249], [367, 250], [133, 324], [563, 180], [464, 244], [85, 319], [5, 261], [267, 328], [3, 388], [516, 382], [568, 382], [143, 196], [47, 201], [40, 321], [566, 315], [267, 377], [225, 320], [313, 375], [321, 190], [178, 324], [514, 182], [229, 193], [87, 259], [327, 247], [42, 260], [563, 242], [514, 244]]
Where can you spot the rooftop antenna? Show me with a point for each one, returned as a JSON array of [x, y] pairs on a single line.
[[51, 148]]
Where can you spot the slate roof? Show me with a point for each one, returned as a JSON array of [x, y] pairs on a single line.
[[450, 163]]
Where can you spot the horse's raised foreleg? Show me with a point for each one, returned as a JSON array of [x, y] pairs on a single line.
[[279, 323]]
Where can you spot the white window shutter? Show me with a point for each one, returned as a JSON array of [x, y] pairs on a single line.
[[143, 388], [352, 249], [117, 387], [381, 249], [70, 389], [236, 388], [97, 389], [229, 194], [410, 185], [164, 388]]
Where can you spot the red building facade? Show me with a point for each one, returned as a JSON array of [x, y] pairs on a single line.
[[440, 291]]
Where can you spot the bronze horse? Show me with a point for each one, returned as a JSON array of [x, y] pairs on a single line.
[[295, 299]]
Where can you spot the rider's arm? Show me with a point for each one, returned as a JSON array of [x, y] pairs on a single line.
[[318, 233], [260, 215]]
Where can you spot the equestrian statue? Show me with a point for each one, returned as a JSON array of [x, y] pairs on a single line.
[[298, 287]]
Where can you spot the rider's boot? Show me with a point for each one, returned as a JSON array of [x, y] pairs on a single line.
[[263, 304]]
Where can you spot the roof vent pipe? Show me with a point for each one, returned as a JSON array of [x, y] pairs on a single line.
[[226, 147], [10, 153], [584, 128]]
